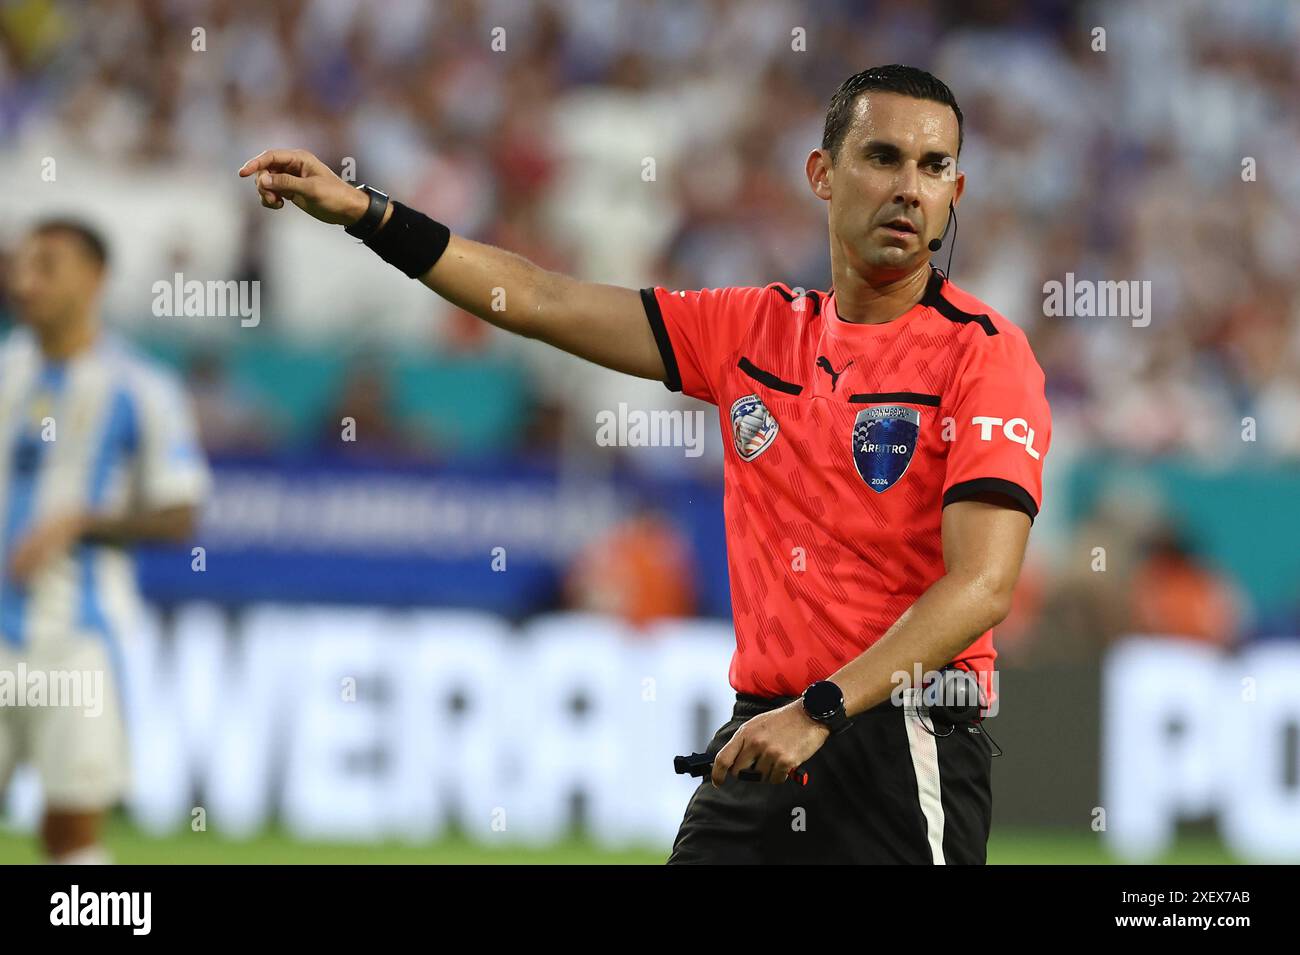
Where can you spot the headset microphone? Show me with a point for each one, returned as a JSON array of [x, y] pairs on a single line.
[[935, 245]]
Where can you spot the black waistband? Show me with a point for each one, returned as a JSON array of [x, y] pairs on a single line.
[[749, 703]]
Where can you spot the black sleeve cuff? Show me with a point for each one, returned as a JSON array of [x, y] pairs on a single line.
[[1010, 489], [672, 378]]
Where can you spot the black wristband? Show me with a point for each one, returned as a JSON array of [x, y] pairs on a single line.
[[411, 241]]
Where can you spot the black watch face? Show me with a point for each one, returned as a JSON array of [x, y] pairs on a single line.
[[822, 699]]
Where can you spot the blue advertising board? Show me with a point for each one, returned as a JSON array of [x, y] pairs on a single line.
[[496, 535]]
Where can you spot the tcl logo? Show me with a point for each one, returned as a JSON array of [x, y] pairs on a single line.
[[1017, 430]]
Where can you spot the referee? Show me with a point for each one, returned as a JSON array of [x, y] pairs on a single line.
[[886, 443]]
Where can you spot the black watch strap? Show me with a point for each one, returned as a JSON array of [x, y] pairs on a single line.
[[368, 224], [838, 722]]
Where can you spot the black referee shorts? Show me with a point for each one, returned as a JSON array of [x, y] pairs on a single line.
[[883, 791]]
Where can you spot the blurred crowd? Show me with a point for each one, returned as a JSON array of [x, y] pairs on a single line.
[[663, 142], [526, 125]]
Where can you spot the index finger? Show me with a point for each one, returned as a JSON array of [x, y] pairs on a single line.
[[284, 158], [726, 758]]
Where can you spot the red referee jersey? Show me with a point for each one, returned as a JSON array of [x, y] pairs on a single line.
[[844, 442]]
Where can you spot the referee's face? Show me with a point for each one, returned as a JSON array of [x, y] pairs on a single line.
[[890, 184], [54, 280]]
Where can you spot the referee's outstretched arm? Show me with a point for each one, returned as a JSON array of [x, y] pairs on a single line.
[[605, 324]]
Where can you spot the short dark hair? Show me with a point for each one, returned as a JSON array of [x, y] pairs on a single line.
[[91, 239], [894, 78]]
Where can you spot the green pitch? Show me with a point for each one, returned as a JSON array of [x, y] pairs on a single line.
[[128, 845]]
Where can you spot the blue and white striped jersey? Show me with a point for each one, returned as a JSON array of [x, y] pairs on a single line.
[[107, 432]]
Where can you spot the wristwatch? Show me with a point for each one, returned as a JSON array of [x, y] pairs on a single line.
[[366, 226], [824, 702]]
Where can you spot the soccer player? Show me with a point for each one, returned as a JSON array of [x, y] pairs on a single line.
[[97, 451], [885, 445]]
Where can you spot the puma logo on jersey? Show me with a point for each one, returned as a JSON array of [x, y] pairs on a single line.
[[824, 364], [1017, 430]]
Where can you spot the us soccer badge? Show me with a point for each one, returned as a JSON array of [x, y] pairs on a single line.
[[884, 438], [752, 427]]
